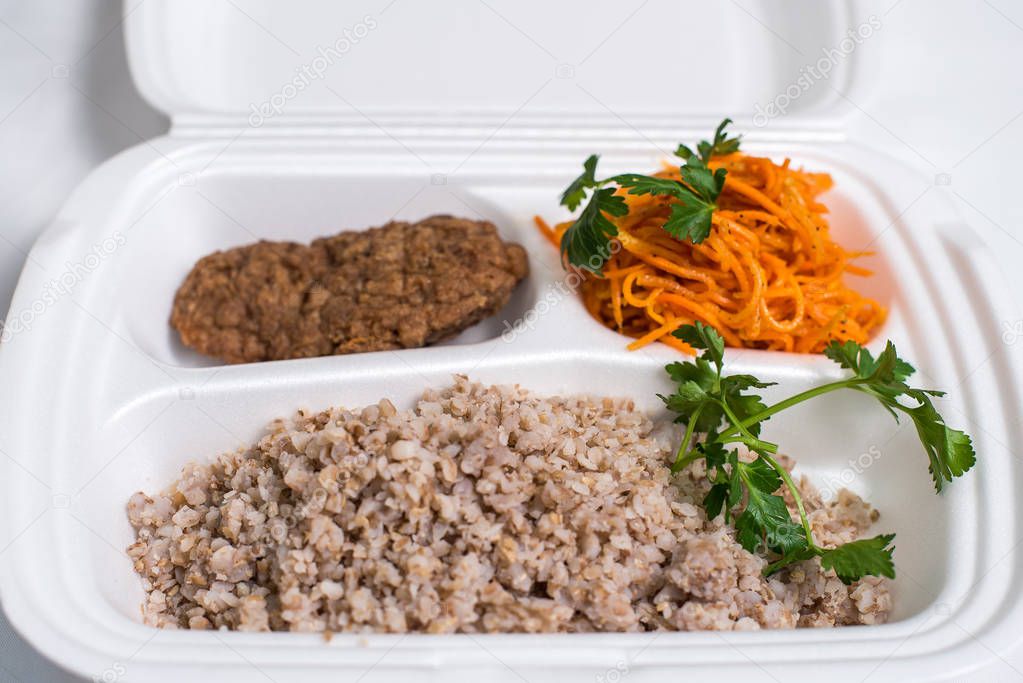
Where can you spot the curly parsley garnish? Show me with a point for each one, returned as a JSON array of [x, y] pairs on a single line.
[[727, 412], [586, 243]]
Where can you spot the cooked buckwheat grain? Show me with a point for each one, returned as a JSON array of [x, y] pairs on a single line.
[[484, 509]]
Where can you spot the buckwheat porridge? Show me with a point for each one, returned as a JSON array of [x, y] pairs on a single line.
[[483, 509]]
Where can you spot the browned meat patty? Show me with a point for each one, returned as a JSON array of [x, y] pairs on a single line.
[[399, 286]]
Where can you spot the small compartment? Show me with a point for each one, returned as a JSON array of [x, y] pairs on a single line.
[[215, 211]]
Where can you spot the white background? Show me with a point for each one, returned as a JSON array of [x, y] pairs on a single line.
[[948, 99]]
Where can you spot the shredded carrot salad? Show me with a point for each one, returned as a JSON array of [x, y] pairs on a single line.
[[768, 276]]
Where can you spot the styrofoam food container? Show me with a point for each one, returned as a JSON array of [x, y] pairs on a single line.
[[476, 109]]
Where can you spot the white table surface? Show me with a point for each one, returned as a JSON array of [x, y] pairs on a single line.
[[948, 99]]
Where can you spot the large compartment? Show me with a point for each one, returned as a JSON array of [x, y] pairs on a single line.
[[845, 440]]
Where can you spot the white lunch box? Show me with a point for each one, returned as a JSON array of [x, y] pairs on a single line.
[[300, 119]]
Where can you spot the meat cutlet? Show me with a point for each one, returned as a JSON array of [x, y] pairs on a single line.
[[399, 286]]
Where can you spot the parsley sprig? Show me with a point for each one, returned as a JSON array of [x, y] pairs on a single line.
[[586, 243], [727, 412]]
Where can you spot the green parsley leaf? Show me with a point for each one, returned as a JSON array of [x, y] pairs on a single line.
[[696, 383], [574, 195], [721, 145], [690, 220], [786, 538], [704, 337], [949, 451], [749, 532], [765, 523], [716, 456], [706, 185], [887, 369], [714, 501], [760, 475], [745, 406], [691, 215], [765, 512], [856, 559], [586, 243], [685, 153]]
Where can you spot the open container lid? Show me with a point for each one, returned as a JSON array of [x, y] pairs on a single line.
[[642, 65]]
